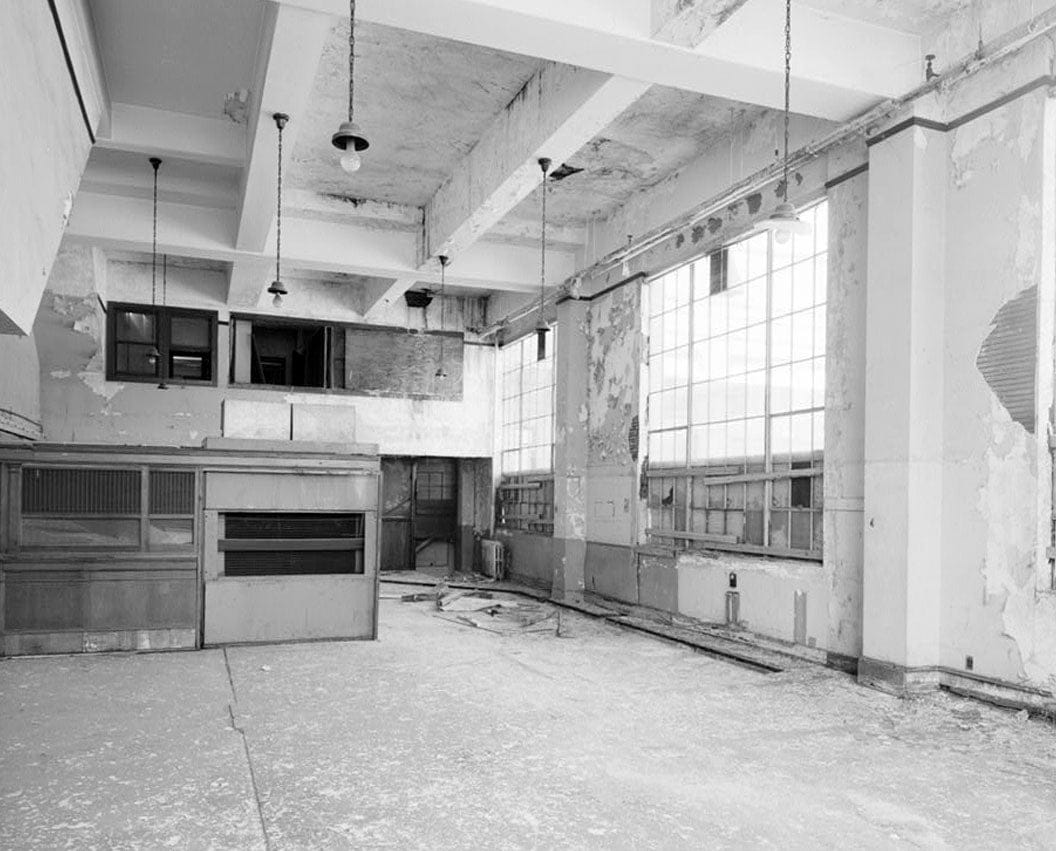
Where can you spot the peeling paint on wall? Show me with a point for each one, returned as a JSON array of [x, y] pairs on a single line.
[[612, 400], [1008, 357]]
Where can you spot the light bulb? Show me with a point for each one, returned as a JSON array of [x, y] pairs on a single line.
[[350, 160], [782, 236], [277, 301]]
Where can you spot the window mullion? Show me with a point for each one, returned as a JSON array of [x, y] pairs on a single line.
[[768, 461]]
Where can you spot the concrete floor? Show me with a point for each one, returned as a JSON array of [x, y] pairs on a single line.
[[444, 736]]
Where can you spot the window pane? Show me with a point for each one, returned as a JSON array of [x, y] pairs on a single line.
[[133, 327], [190, 366], [779, 529], [79, 532], [781, 292], [171, 533], [800, 531], [190, 331], [132, 359]]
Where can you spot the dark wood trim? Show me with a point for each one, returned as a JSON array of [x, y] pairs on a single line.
[[72, 71], [914, 121], [953, 124], [847, 175], [162, 339]]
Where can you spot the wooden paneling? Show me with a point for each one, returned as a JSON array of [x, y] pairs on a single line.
[[393, 362], [67, 596]]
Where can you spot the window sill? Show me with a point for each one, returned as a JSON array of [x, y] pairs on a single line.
[[171, 382]]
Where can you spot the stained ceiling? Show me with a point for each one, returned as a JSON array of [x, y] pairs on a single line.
[[422, 102], [661, 132]]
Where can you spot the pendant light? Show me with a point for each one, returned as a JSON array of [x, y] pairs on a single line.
[[444, 260], [783, 222], [276, 288], [349, 138], [154, 356], [541, 327], [164, 290]]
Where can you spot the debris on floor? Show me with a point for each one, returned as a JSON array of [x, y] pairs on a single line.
[[481, 610]]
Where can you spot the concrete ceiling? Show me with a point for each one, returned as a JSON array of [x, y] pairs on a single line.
[[662, 131], [458, 99], [915, 16], [422, 102], [180, 56]]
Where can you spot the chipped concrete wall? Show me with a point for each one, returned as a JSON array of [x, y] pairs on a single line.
[[43, 160], [612, 415], [79, 405], [845, 403], [998, 603]]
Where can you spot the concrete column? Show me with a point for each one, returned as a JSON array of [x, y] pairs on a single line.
[[904, 410], [570, 449]]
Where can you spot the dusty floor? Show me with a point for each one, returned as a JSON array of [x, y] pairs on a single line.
[[444, 736]]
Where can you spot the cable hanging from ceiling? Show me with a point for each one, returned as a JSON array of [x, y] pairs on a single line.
[[277, 289], [541, 328], [349, 138], [154, 356], [444, 260], [783, 222]]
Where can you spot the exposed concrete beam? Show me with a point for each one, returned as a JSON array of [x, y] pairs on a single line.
[[76, 20], [825, 87], [378, 295], [123, 223], [557, 112], [157, 132], [248, 278], [688, 22], [335, 208], [287, 62]]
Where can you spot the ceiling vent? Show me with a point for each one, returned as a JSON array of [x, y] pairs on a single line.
[[418, 298]]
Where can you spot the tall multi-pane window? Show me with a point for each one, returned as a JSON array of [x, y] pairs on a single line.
[[527, 406], [737, 394], [525, 498]]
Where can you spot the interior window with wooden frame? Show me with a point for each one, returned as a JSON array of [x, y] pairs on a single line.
[[138, 508], [525, 498], [185, 341], [736, 414]]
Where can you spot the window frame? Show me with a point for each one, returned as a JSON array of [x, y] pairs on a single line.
[[515, 489], [675, 526], [163, 315], [142, 517]]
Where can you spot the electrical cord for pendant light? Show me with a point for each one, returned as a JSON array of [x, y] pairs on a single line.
[[164, 292], [783, 222], [541, 326], [276, 288], [154, 356], [349, 138], [444, 260]]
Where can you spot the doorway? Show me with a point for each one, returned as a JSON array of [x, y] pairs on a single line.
[[419, 521]]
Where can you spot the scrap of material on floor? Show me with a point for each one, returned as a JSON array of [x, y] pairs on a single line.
[[445, 735]]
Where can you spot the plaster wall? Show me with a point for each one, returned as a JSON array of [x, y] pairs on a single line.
[[43, 160], [79, 405], [998, 603]]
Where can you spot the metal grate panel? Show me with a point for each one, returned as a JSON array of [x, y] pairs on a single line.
[[171, 492], [291, 563], [258, 526], [67, 490]]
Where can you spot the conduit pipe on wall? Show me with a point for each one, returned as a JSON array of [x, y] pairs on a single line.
[[987, 54]]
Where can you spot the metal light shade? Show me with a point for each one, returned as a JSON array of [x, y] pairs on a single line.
[[441, 372], [541, 331], [349, 134], [784, 222], [277, 288]]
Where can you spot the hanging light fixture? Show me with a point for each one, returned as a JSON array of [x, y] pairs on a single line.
[[164, 290], [541, 327], [783, 222], [154, 356], [444, 260], [349, 138], [276, 288]]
